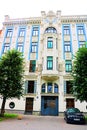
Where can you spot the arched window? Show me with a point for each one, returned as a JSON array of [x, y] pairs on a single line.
[[50, 30], [55, 88], [43, 88]]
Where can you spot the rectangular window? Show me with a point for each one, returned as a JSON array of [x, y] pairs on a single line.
[[49, 63], [43, 88], [30, 86], [9, 33], [34, 47], [49, 42], [82, 44], [49, 87], [80, 30], [66, 30], [21, 32], [68, 87], [55, 88], [68, 66], [35, 31], [67, 47], [6, 47], [32, 66], [20, 46]]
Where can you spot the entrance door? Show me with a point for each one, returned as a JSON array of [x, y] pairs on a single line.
[[49, 105], [29, 105], [70, 103]]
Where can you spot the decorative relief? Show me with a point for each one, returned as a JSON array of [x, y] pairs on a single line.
[[68, 56], [34, 39], [67, 38], [39, 67], [7, 40], [20, 39], [60, 67], [81, 38]]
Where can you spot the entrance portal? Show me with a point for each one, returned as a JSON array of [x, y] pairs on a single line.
[[29, 105], [49, 105]]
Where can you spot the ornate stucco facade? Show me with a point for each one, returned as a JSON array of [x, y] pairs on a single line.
[[48, 44]]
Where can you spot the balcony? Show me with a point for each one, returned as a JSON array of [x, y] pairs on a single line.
[[50, 75]]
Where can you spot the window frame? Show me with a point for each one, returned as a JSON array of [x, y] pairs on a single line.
[[21, 32], [34, 47], [35, 31], [80, 30], [68, 66], [43, 88], [50, 30], [49, 87], [9, 33], [50, 42], [55, 88], [49, 62], [20, 46], [66, 30], [6, 47], [82, 44], [32, 66], [67, 46]]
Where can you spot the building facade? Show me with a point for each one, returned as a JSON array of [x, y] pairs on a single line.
[[48, 44]]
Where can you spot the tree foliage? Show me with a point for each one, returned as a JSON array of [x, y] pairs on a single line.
[[79, 74], [11, 76]]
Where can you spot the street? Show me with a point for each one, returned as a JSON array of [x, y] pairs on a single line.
[[30, 122]]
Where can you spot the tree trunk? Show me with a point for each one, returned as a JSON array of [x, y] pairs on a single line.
[[3, 107]]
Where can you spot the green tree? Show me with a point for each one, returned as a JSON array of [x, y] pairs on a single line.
[[11, 76], [79, 74]]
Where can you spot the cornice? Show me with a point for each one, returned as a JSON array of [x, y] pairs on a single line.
[[38, 20], [74, 18], [23, 21]]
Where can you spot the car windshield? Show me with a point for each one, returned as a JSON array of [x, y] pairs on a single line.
[[73, 110]]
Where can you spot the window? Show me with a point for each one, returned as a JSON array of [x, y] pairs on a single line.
[[82, 44], [21, 32], [9, 33], [6, 47], [67, 47], [35, 31], [50, 42], [34, 47], [49, 87], [30, 86], [80, 30], [68, 87], [49, 63], [43, 88], [68, 66], [51, 30], [20, 46], [66, 30], [55, 88], [32, 66]]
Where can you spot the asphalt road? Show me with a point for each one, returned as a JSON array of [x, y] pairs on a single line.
[[30, 122]]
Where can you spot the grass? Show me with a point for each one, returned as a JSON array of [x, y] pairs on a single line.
[[86, 118], [8, 116]]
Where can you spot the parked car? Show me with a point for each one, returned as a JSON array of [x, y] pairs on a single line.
[[73, 115]]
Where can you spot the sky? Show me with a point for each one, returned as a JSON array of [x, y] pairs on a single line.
[[31, 8]]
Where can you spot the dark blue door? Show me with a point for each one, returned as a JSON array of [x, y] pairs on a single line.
[[49, 105]]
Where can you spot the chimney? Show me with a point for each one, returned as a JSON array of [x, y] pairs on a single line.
[[7, 17]]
